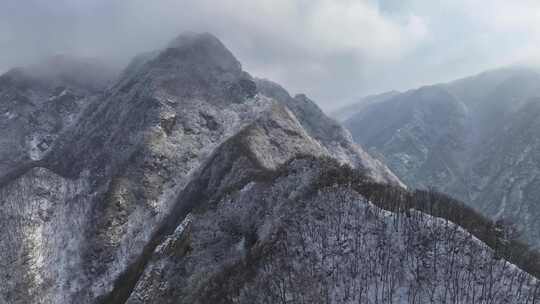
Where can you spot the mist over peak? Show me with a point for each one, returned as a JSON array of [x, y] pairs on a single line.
[[185, 179], [334, 50]]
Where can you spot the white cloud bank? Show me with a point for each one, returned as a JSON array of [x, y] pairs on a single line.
[[331, 49]]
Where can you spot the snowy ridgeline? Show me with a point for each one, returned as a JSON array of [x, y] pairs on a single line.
[[94, 214], [361, 254], [93, 172], [292, 242]]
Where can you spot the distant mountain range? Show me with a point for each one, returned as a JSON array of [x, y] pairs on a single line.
[[187, 180], [477, 139], [346, 112]]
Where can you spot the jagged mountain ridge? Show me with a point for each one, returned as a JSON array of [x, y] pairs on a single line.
[[117, 171], [40, 101], [473, 138], [304, 235], [181, 133]]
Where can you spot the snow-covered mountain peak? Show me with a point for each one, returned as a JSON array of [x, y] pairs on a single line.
[[202, 48], [188, 173], [193, 66]]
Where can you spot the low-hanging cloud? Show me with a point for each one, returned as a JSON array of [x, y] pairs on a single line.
[[333, 50]]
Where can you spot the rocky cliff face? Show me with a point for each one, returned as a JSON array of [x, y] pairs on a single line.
[[131, 200], [121, 157], [39, 102], [474, 139]]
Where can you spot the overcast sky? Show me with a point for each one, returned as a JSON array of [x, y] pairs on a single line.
[[333, 50]]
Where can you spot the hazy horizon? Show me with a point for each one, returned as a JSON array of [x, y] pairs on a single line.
[[334, 51]]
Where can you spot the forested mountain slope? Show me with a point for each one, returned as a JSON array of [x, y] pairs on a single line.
[[189, 181], [476, 139], [83, 210]]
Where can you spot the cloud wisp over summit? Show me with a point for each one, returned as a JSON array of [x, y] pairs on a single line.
[[334, 50]]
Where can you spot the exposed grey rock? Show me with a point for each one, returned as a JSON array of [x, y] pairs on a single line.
[[42, 216], [135, 147], [329, 132], [130, 201], [38, 102]]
